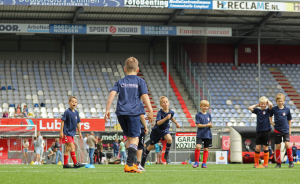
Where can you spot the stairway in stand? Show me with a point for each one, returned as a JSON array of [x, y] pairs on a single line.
[[286, 86]]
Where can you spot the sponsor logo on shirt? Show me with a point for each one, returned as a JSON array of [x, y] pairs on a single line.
[[264, 112], [75, 117], [284, 114], [207, 119], [124, 85]]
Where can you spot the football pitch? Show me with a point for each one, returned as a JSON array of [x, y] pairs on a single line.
[[234, 173]]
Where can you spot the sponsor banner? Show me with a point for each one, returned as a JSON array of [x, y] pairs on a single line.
[[221, 157], [24, 28], [113, 29], [191, 4], [225, 142], [146, 3], [10, 161], [185, 140], [95, 3], [295, 139], [67, 29], [158, 30], [47, 125], [111, 137], [249, 5], [3, 149], [204, 31]]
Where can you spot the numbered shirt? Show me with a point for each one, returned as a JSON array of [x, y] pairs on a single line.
[[161, 115], [281, 118], [262, 119], [203, 133], [130, 90], [71, 119]]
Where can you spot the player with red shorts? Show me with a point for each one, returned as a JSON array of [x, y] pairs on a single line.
[[69, 122]]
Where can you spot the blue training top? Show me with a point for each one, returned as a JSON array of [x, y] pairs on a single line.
[[130, 90], [161, 115], [203, 133], [71, 120], [263, 121], [281, 117], [142, 109]]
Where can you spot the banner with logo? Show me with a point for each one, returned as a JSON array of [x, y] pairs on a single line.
[[111, 137], [67, 28], [191, 4], [92, 3], [146, 3], [113, 29], [221, 157], [24, 28], [10, 161], [225, 142], [204, 31], [3, 149], [252, 6], [47, 125], [158, 30], [185, 140]]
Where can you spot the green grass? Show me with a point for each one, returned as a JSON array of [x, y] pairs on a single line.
[[161, 174]]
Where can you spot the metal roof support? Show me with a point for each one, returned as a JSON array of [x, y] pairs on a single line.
[[107, 41], [262, 22], [77, 12]]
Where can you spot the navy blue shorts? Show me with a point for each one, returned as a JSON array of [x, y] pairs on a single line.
[[157, 134], [130, 125]]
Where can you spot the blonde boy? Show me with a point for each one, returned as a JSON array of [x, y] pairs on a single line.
[[161, 129], [203, 122], [131, 88], [69, 122], [263, 129], [282, 126]]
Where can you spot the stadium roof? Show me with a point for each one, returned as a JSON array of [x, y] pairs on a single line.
[[284, 25]]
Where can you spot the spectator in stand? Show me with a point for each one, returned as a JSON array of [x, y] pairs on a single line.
[[158, 151], [18, 111], [5, 114], [25, 151], [123, 152], [116, 147], [58, 152], [43, 148], [25, 111], [38, 148], [91, 141], [108, 148], [100, 151]]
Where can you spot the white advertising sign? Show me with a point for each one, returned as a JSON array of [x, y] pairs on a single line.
[[185, 140], [249, 5], [113, 29], [24, 28], [221, 157]]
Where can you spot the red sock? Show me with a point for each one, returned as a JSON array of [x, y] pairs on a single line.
[[256, 158], [197, 155], [205, 156], [289, 154], [66, 159], [73, 157], [278, 157]]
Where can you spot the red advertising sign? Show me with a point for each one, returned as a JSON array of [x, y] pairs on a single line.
[[225, 142], [50, 124], [296, 140], [3, 149], [10, 161]]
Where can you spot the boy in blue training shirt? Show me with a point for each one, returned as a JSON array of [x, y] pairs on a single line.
[[263, 129], [131, 89], [161, 129], [203, 122], [282, 121], [69, 122]]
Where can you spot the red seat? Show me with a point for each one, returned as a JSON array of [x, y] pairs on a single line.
[[185, 110], [181, 102], [177, 93], [183, 106]]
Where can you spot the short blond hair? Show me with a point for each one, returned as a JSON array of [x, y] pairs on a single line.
[[263, 99], [204, 103], [161, 98], [71, 98], [131, 64], [280, 96]]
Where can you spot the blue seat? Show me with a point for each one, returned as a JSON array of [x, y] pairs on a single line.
[[56, 115], [99, 89], [88, 115], [3, 88], [36, 105], [8, 87], [11, 105], [100, 115]]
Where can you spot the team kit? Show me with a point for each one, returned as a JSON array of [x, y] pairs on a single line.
[[130, 112]]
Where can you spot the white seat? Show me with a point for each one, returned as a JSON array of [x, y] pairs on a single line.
[[43, 110], [44, 115], [61, 105], [55, 109], [95, 98], [94, 115], [93, 110], [40, 93], [11, 110], [5, 105], [98, 106], [62, 110], [28, 97], [81, 115], [50, 115]]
